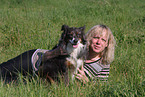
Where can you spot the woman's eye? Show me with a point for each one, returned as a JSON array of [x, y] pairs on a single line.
[[104, 40], [96, 37]]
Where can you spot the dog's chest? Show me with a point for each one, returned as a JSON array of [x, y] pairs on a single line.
[[74, 60]]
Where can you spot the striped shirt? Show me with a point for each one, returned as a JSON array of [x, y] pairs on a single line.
[[96, 71]]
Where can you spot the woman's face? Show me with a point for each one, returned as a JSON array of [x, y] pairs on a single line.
[[99, 42]]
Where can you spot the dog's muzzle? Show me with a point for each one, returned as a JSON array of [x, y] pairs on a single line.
[[74, 42]]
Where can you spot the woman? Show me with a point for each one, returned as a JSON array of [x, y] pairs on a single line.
[[101, 46]]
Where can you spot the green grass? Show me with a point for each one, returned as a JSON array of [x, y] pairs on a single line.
[[29, 24]]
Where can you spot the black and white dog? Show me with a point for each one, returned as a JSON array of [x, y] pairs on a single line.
[[72, 42], [62, 60]]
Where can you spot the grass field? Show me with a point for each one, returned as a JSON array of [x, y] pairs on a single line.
[[29, 24]]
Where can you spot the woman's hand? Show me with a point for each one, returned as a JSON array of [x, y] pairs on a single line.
[[82, 76]]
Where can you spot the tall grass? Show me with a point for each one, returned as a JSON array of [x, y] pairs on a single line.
[[28, 24]]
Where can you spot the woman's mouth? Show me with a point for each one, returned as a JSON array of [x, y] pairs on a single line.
[[96, 47]]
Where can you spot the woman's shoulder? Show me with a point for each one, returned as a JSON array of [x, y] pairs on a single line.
[[96, 63]]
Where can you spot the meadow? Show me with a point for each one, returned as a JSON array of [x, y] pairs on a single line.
[[29, 24]]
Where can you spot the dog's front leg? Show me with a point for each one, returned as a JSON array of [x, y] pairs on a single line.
[[66, 78], [53, 53], [79, 63]]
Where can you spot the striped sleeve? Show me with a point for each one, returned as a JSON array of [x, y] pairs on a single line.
[[97, 71]]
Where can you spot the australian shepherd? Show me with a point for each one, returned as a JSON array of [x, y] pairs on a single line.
[[72, 44], [63, 60]]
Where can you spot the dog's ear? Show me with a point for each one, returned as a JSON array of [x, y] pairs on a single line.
[[83, 34], [64, 28], [82, 28]]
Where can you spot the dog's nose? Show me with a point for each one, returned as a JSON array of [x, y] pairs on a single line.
[[76, 40]]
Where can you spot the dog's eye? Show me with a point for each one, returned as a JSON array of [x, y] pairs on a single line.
[[79, 33], [71, 33]]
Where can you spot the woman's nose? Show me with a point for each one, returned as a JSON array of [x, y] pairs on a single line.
[[98, 41]]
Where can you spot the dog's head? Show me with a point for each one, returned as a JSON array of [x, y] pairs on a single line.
[[73, 35]]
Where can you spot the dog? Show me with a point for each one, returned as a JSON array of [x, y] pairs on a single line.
[[63, 59], [72, 44]]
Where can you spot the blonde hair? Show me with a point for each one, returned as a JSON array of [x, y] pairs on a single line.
[[108, 53]]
